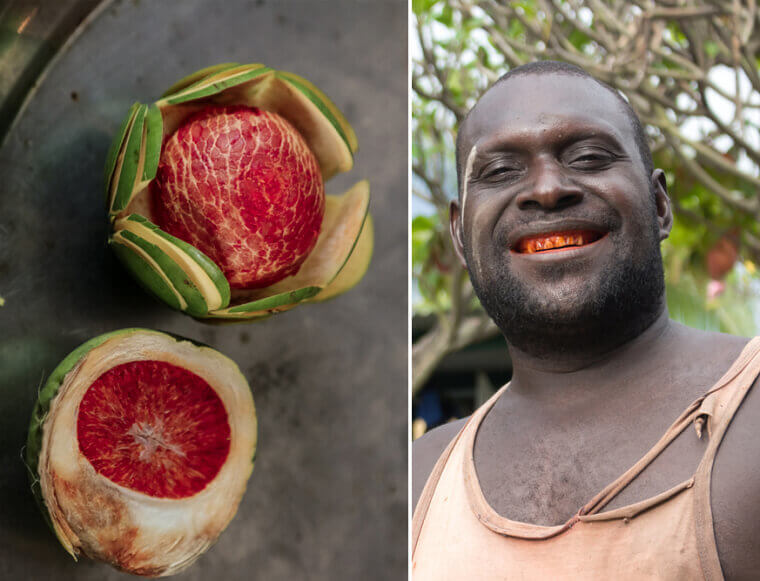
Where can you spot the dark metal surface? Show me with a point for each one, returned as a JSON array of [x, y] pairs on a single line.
[[327, 499], [31, 33]]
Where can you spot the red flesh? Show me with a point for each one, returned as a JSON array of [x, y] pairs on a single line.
[[154, 427], [242, 186], [556, 240]]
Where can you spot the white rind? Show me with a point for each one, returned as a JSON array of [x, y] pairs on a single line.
[[133, 531]]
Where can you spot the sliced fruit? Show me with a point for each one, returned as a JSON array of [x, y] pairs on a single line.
[[356, 266], [325, 105], [215, 83], [140, 448], [117, 144], [271, 265], [147, 272], [184, 276], [193, 78], [129, 164], [131, 430], [153, 140]]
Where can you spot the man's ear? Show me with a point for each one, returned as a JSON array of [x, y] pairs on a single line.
[[455, 228], [662, 201]]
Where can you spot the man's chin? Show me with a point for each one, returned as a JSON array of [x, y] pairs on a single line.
[[572, 295], [562, 298], [576, 313], [556, 331], [551, 319]]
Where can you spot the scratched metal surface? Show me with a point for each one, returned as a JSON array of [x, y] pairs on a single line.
[[327, 499]]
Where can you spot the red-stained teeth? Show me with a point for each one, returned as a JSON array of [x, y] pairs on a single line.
[[554, 241]]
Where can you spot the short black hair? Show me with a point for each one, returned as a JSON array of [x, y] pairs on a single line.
[[562, 68]]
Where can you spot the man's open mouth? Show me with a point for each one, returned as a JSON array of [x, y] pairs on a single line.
[[557, 241]]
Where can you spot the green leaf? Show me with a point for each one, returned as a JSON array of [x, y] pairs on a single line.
[[421, 6], [711, 48], [579, 39], [446, 17]]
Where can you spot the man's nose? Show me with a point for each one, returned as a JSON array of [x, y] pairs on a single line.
[[550, 189]]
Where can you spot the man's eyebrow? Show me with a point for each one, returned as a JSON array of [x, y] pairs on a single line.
[[496, 144], [588, 134]]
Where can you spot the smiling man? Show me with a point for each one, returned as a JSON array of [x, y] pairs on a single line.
[[624, 447]]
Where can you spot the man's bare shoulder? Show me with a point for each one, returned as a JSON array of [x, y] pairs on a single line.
[[720, 348], [736, 490], [735, 486], [425, 453]]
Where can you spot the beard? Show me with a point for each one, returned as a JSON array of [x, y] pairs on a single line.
[[561, 319]]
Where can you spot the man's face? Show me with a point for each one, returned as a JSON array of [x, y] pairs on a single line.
[[560, 225]]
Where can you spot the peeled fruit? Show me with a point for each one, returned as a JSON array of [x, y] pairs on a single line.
[[242, 186], [216, 195], [140, 447]]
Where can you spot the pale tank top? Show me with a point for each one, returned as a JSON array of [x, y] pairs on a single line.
[[457, 535]]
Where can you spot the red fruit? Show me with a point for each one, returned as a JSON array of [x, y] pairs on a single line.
[[140, 447], [242, 186], [154, 427], [722, 256]]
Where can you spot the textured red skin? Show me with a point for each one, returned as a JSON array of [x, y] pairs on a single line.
[[155, 428], [242, 186]]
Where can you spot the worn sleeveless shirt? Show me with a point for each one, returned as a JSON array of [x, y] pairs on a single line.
[[457, 535]]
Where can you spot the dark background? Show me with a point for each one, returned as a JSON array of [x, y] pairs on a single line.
[[327, 499]]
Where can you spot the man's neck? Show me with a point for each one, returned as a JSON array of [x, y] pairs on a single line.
[[578, 369]]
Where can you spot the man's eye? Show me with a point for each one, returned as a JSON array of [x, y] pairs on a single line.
[[497, 172], [591, 160]]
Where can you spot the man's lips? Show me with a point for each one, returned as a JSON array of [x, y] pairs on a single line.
[[556, 241]]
